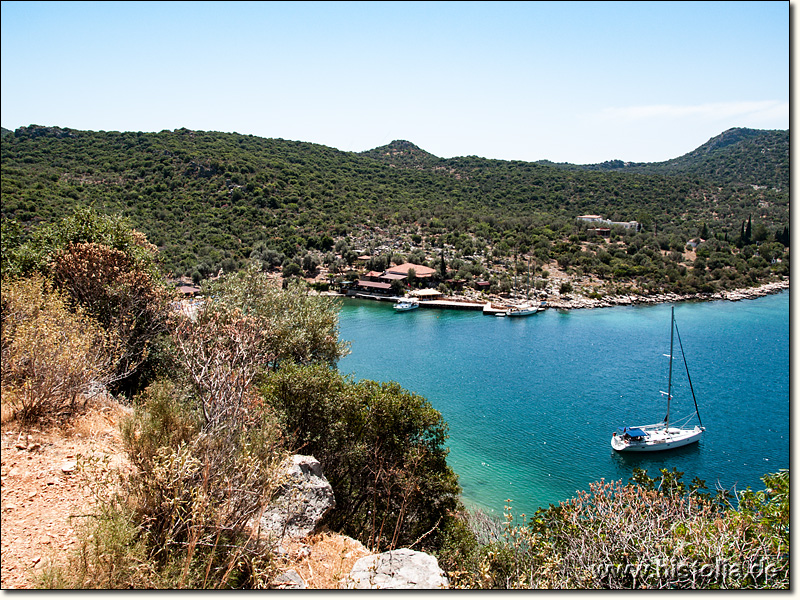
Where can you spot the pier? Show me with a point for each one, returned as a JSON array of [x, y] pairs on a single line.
[[487, 307]]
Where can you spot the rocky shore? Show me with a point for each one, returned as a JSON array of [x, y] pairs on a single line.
[[627, 300]]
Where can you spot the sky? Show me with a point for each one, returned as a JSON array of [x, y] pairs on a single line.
[[578, 82]]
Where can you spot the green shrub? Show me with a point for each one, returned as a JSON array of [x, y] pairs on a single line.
[[109, 285], [165, 417], [107, 269], [297, 327], [381, 447], [655, 533], [465, 540]]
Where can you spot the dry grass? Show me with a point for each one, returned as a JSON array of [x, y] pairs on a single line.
[[323, 560], [40, 528]]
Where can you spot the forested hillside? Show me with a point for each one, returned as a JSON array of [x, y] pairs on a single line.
[[737, 157], [217, 200]]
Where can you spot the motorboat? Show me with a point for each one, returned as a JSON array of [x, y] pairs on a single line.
[[405, 304]]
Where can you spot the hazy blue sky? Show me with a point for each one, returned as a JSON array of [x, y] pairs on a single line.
[[577, 82]]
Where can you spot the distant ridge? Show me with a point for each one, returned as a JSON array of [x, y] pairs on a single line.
[[737, 156], [726, 138]]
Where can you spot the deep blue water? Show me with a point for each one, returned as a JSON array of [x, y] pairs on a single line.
[[531, 402]]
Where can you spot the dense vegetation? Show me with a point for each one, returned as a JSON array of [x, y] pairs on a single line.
[[214, 200], [647, 534], [252, 377], [737, 157]]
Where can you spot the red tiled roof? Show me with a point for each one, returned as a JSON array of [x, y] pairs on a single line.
[[374, 284], [393, 276], [419, 270]]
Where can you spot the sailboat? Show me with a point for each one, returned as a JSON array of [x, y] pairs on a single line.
[[528, 307], [665, 435], [523, 310]]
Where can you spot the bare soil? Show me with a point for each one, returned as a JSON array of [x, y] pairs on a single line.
[[44, 496], [45, 500]]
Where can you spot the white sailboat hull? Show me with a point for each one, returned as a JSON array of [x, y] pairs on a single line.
[[524, 310], [657, 439], [405, 308]]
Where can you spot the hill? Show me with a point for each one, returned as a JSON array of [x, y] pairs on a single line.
[[401, 153], [738, 157], [216, 200]]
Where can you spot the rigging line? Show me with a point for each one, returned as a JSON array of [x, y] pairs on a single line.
[[683, 421], [685, 364], [669, 389]]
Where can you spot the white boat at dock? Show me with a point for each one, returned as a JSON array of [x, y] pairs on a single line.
[[405, 304], [517, 310], [525, 310]]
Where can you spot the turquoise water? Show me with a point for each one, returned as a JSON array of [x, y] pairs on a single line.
[[531, 402]]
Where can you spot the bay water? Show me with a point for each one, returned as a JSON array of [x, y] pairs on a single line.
[[532, 402]]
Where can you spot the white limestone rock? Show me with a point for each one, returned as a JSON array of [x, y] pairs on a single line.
[[302, 501], [402, 569]]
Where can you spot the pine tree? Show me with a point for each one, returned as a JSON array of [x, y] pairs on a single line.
[[748, 232]]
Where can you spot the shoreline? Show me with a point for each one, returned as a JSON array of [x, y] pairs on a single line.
[[471, 303], [629, 300]]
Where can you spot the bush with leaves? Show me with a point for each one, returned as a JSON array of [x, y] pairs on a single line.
[[187, 515], [249, 326], [51, 355], [127, 300], [655, 533], [297, 327], [381, 447], [109, 270]]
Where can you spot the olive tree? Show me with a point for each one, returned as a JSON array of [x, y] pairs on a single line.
[[248, 326]]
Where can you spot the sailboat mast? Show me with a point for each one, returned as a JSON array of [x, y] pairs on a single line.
[[528, 291], [669, 388]]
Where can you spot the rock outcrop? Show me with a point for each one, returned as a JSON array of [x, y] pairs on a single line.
[[289, 580], [303, 499], [402, 569]]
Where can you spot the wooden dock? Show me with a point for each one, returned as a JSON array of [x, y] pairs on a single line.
[[487, 307]]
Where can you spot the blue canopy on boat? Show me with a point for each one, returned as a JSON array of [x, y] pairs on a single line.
[[632, 431]]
